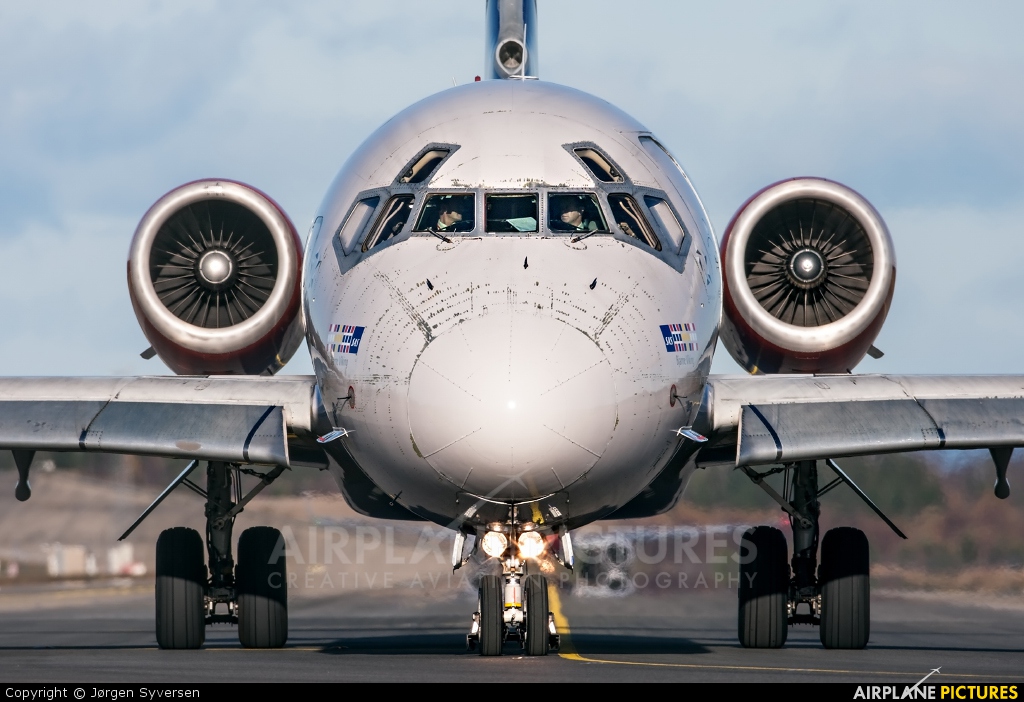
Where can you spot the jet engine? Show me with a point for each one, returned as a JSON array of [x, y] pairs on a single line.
[[809, 276], [214, 274]]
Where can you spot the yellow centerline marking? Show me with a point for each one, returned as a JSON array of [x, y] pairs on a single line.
[[261, 650], [568, 651]]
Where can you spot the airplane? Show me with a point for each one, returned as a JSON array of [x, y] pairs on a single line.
[[511, 295]]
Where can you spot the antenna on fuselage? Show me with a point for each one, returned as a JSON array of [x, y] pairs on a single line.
[[511, 47]]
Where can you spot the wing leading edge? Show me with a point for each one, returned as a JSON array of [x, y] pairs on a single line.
[[232, 419], [780, 419]]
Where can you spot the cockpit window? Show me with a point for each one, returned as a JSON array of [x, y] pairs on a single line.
[[630, 219], [390, 222], [511, 213], [575, 212], [599, 165], [356, 222], [421, 168], [448, 213], [666, 218]]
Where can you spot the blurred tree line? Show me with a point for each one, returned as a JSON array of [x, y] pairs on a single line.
[[943, 501]]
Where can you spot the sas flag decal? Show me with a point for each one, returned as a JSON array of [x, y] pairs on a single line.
[[679, 337], [344, 338]]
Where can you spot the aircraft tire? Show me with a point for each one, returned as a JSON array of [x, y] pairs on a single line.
[[764, 589], [845, 589], [261, 580], [180, 585], [535, 614], [491, 610]]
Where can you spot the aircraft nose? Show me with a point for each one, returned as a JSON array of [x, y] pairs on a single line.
[[512, 406]]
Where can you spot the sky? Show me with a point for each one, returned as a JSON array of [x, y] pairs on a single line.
[[105, 106]]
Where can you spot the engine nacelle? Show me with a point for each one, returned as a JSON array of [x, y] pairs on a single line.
[[214, 274], [809, 275]]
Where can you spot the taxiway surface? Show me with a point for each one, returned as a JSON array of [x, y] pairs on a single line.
[[105, 634]]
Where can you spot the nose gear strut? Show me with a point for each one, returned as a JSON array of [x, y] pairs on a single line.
[[514, 605]]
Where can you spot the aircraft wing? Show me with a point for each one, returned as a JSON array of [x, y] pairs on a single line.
[[235, 419], [785, 418]]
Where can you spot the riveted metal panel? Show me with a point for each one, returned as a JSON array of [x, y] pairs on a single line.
[[233, 433], [783, 433]]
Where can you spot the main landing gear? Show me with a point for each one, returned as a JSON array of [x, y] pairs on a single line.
[[193, 590], [775, 592], [513, 606]]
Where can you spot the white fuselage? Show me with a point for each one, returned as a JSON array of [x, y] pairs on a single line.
[[481, 369]]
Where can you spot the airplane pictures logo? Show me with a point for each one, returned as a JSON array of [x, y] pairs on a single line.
[[933, 692], [679, 337], [344, 338]]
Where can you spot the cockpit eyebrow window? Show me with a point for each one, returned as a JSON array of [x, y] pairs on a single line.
[[599, 165], [575, 212], [449, 212], [390, 222], [424, 166], [511, 213], [666, 218], [659, 153], [630, 219]]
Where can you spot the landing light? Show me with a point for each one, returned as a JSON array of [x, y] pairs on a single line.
[[511, 404], [531, 544], [494, 544]]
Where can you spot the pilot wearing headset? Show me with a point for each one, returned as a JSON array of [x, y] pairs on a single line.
[[571, 213], [450, 215]]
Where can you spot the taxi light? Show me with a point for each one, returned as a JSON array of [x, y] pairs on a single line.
[[531, 544], [494, 544]]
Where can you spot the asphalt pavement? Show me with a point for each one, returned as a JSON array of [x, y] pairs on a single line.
[[103, 632]]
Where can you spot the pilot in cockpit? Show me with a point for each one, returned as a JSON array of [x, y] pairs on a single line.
[[570, 213], [447, 213], [449, 216]]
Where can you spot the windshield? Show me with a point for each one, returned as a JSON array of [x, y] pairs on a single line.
[[631, 220], [511, 213], [391, 221], [448, 213], [575, 212]]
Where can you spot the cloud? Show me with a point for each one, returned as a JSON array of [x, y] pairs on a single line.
[[65, 301], [109, 105], [909, 101]]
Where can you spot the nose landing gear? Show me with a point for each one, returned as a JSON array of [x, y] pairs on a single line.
[[513, 606]]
